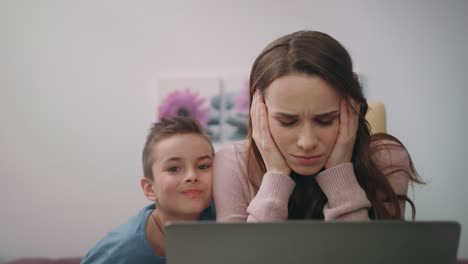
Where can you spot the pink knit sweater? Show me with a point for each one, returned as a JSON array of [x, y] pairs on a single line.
[[237, 200]]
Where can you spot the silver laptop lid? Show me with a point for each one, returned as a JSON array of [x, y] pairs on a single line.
[[313, 242]]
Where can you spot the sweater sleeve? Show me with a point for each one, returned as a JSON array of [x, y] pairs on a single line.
[[271, 201], [346, 198], [231, 191]]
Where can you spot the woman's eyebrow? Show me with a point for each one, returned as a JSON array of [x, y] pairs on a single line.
[[328, 114], [291, 116], [284, 115]]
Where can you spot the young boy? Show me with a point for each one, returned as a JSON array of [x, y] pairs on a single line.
[[177, 165]]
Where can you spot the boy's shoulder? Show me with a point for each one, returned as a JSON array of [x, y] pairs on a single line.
[[125, 244], [136, 224], [209, 213]]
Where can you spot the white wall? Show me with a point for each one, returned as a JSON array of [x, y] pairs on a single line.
[[77, 97]]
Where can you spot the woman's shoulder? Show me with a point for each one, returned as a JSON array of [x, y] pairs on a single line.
[[389, 152], [237, 146], [237, 150], [233, 161]]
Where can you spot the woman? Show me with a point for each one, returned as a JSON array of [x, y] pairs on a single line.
[[309, 153]]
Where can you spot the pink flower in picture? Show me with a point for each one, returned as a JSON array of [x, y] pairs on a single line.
[[241, 101], [184, 103]]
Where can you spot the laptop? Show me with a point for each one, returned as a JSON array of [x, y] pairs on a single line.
[[378, 242]]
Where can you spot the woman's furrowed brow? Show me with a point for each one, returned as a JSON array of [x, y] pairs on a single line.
[[331, 113], [287, 115]]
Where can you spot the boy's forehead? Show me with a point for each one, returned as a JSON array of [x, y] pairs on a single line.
[[182, 146]]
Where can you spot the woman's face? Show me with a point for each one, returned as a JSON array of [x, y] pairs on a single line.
[[303, 114]]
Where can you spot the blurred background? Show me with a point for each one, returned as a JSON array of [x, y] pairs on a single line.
[[78, 86]]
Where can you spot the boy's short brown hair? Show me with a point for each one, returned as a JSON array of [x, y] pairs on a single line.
[[165, 128]]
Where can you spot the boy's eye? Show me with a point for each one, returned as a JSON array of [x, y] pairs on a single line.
[[173, 169], [204, 166]]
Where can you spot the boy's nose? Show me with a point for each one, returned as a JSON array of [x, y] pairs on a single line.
[[191, 176]]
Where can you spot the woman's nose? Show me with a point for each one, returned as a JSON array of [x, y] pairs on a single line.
[[307, 139]]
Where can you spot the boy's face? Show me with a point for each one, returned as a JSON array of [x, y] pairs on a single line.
[[182, 172]]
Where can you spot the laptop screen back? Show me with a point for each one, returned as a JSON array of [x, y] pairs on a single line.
[[313, 242]]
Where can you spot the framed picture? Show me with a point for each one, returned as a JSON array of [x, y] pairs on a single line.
[[199, 98], [236, 110], [221, 105]]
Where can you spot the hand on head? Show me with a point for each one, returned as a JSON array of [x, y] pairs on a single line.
[[343, 149], [274, 160]]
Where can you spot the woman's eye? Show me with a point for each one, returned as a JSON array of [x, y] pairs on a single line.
[[173, 169], [204, 166], [325, 122], [287, 124]]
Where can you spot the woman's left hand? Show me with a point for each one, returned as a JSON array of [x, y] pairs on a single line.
[[343, 150]]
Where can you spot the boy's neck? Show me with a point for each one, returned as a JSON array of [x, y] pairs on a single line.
[[166, 217]]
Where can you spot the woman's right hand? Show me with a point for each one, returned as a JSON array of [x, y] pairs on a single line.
[[272, 157]]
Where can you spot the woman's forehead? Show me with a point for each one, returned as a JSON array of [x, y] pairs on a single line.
[[297, 93]]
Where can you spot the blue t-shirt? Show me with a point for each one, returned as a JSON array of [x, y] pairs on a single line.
[[128, 244]]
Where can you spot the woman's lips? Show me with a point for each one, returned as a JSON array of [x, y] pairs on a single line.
[[307, 159]]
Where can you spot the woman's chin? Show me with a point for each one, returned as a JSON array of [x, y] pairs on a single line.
[[306, 170]]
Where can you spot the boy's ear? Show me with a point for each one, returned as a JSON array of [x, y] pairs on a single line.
[[147, 187]]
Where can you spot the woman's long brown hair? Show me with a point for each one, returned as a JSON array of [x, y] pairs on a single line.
[[317, 54]]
